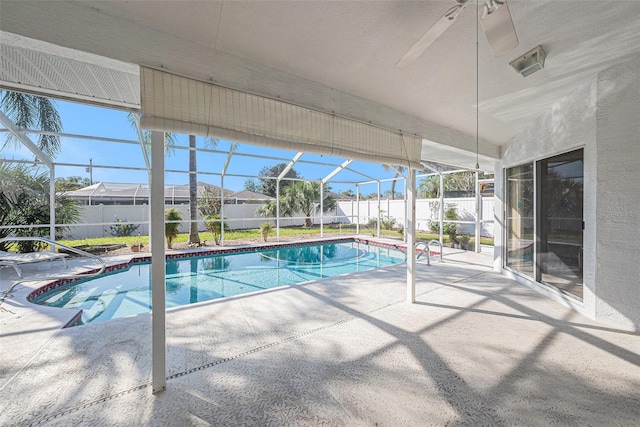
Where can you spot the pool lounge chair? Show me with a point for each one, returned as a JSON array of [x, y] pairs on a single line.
[[11, 259]]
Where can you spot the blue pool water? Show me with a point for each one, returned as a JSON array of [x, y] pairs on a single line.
[[190, 280]]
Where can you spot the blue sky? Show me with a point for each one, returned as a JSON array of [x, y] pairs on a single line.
[[97, 121]]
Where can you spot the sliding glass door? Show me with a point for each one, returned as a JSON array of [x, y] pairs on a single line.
[[520, 219], [550, 194], [560, 221]]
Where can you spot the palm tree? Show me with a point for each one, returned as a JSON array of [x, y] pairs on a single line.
[[268, 209], [194, 236], [399, 170], [299, 196], [24, 200], [171, 228], [33, 112], [19, 204]]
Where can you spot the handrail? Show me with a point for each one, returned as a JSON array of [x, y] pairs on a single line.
[[439, 244], [68, 248], [426, 249], [426, 246]]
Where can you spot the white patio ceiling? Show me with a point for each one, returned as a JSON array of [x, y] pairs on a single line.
[[340, 56]]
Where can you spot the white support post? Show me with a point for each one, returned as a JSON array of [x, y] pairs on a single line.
[[441, 209], [378, 229], [158, 331], [277, 210], [52, 205], [222, 210], [357, 209], [351, 211], [411, 236], [478, 214], [405, 225], [321, 209]]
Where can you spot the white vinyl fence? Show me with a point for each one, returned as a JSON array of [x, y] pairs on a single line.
[[427, 211], [95, 221]]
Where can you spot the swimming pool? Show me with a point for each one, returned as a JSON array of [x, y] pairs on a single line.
[[200, 278]]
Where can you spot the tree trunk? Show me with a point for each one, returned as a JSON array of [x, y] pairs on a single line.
[[393, 185], [194, 237]]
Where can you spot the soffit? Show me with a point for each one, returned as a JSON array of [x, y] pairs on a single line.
[[36, 66]]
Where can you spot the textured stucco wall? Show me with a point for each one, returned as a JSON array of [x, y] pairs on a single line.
[[603, 117], [570, 124], [618, 187]]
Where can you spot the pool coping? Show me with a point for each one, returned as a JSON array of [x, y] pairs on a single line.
[[197, 252]]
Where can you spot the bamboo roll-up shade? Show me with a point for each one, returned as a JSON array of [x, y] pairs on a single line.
[[179, 104]]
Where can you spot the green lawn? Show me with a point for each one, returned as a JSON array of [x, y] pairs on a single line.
[[254, 233], [251, 233]]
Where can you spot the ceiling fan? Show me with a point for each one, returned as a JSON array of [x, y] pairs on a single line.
[[496, 22]]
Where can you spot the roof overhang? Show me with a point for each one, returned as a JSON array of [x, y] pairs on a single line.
[[46, 69], [334, 57]]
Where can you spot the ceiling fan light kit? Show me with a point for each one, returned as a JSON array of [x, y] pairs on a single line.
[[497, 25], [494, 17], [530, 62]]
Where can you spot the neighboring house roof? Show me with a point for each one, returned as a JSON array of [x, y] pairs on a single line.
[[338, 196], [131, 191], [250, 195]]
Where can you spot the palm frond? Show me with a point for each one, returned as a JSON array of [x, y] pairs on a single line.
[[169, 138], [33, 112], [48, 120], [212, 143], [20, 110]]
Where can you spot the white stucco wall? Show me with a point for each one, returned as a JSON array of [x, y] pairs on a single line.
[[603, 117], [617, 273]]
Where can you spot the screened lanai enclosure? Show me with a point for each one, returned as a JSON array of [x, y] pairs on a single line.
[[447, 151], [280, 199], [111, 192]]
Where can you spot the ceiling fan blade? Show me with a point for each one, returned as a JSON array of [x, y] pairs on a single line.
[[431, 35], [497, 24]]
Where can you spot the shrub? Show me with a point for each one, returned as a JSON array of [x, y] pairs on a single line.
[[265, 230], [121, 230], [387, 224], [450, 229], [464, 242], [214, 225], [171, 228], [210, 202]]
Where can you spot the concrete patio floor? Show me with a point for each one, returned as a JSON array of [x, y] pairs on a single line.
[[476, 349]]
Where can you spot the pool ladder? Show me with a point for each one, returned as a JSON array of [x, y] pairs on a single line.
[[426, 249]]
